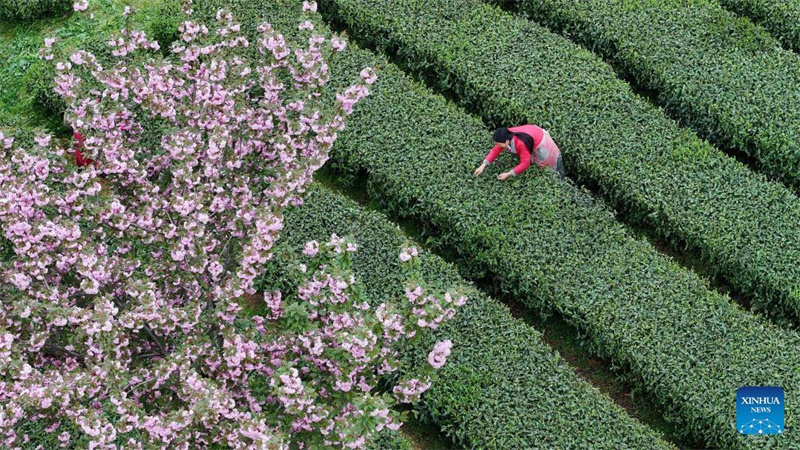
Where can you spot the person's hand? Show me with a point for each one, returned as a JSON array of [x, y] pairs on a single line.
[[504, 176], [479, 170]]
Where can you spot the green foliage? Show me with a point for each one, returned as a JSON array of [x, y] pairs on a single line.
[[548, 243], [718, 73], [39, 81], [19, 45], [6, 249], [27, 98], [390, 440], [39, 437], [165, 18], [780, 17], [651, 169], [502, 382], [26, 10]]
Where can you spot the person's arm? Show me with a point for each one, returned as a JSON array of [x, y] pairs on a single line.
[[78, 138], [79, 161], [493, 154], [524, 162]]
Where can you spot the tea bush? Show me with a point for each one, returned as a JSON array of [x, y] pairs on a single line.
[[780, 17], [718, 73], [502, 382], [550, 245], [743, 227]]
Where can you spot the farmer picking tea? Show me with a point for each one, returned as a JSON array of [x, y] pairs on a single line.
[[527, 141]]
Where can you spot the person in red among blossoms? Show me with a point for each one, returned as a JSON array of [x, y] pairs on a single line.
[[529, 142], [80, 160]]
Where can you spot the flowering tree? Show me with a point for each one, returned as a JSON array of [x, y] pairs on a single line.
[[122, 302], [340, 347]]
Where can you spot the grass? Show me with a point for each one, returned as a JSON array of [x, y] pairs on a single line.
[[19, 53], [19, 46]]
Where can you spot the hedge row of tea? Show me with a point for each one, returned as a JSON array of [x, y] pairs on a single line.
[[780, 17], [744, 227], [555, 248], [26, 10], [720, 74], [502, 387]]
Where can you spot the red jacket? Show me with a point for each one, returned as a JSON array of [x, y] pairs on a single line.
[[79, 139], [79, 159], [522, 150]]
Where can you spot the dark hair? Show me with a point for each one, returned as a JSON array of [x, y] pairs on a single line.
[[504, 134]]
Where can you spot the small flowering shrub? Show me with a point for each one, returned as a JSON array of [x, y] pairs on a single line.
[[123, 282]]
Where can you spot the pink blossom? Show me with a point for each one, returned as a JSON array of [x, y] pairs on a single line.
[[338, 43], [310, 6], [311, 248], [409, 391], [215, 268], [21, 281], [134, 261], [43, 140], [178, 254], [413, 294], [368, 75], [438, 356]]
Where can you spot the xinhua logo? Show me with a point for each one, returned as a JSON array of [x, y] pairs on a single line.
[[759, 410]]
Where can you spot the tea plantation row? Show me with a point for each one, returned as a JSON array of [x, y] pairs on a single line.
[[502, 387], [780, 17], [554, 248], [725, 77], [742, 226]]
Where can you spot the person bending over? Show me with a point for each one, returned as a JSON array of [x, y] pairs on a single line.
[[520, 140]]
